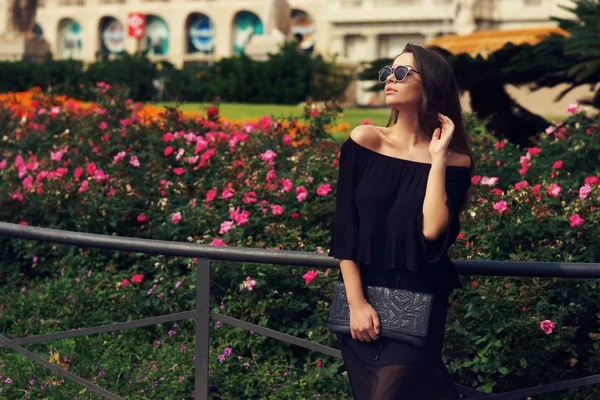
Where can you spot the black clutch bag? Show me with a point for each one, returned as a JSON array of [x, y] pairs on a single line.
[[403, 314]]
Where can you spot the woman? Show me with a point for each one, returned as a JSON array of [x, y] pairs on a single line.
[[400, 190]]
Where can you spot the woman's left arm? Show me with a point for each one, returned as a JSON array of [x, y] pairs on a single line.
[[435, 211]]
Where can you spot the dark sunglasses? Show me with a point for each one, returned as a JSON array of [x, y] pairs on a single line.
[[400, 72]]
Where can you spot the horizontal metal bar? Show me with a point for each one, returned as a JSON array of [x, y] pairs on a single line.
[[283, 257], [330, 351], [545, 389], [105, 328], [58, 370]]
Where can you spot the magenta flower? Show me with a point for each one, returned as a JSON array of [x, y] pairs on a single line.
[[309, 276], [557, 165], [227, 193], [217, 242], [572, 108], [276, 209], [324, 189], [83, 187], [534, 151], [301, 193], [547, 326], [521, 185], [575, 220]]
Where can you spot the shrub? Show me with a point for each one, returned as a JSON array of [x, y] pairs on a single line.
[[266, 184]]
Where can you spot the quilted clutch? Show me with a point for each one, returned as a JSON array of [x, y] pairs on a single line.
[[403, 314]]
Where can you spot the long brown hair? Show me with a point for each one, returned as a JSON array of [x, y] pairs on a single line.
[[440, 95]]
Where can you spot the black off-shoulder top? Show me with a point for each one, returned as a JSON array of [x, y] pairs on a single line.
[[378, 220]]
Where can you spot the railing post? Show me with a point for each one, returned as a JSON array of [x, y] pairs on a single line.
[[202, 328]]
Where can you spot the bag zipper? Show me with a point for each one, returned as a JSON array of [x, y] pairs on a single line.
[[379, 352]]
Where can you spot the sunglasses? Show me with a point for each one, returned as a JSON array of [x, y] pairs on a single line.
[[400, 72]]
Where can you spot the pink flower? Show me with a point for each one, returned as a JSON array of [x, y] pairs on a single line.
[[366, 122], [547, 326], [475, 179], [499, 145], [249, 283], [91, 168], [54, 111], [324, 189], [286, 184], [575, 220], [17, 196], [125, 282], [133, 160], [56, 156], [217, 242], [167, 137], [314, 113], [3, 164], [520, 185], [78, 172], [168, 150], [489, 181], [501, 207], [572, 108], [585, 190], [226, 227], [210, 195], [557, 165], [137, 278], [103, 125], [176, 217], [287, 139], [268, 155], [301, 193], [276, 209], [142, 218], [550, 129], [309, 276], [592, 180], [120, 155], [534, 151], [84, 186], [553, 190], [179, 171], [227, 193]]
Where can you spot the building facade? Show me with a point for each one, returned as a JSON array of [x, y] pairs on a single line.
[[183, 31]]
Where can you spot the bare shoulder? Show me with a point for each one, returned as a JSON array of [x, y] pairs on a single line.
[[366, 136], [459, 159]]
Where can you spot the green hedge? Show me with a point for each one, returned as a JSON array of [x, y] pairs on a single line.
[[494, 340], [288, 77]]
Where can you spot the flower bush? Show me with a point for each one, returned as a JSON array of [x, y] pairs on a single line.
[[115, 167]]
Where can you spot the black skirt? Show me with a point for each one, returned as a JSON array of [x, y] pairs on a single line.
[[391, 369]]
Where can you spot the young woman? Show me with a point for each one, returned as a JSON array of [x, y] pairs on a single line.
[[400, 190]]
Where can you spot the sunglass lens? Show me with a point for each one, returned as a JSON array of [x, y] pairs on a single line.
[[400, 73], [384, 74]]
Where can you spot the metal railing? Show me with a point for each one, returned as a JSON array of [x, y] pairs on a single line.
[[204, 253]]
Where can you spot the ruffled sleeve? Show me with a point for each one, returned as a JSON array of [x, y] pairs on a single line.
[[458, 181], [344, 228]]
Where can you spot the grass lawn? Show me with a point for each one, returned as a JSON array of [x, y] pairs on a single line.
[[352, 116]]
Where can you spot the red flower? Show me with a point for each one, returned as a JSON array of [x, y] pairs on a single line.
[[212, 112], [142, 218], [319, 364], [475, 284], [124, 282], [137, 278]]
